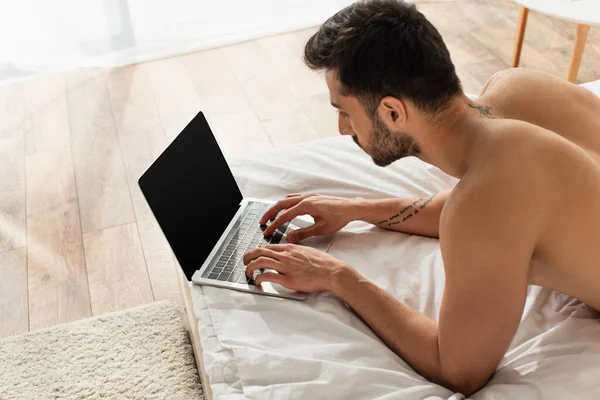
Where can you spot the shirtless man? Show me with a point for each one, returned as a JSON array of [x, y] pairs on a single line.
[[526, 209]]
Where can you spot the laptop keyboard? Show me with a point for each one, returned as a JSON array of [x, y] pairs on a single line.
[[228, 264]]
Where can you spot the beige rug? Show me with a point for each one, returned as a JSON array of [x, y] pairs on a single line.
[[141, 353]]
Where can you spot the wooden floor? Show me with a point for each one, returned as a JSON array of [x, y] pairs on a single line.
[[76, 236]]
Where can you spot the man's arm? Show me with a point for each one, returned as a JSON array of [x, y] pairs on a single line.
[[487, 237], [417, 216]]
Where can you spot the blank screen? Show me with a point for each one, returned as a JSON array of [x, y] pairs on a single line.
[[192, 193]]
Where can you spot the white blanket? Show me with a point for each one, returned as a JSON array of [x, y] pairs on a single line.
[[259, 347]]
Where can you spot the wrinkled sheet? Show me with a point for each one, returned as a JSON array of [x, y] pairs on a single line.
[[259, 347]]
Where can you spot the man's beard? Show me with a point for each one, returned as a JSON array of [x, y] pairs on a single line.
[[387, 146]]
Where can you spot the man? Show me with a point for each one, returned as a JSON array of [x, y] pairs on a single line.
[[526, 209]]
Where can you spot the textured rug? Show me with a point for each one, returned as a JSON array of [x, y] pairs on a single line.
[[140, 353]]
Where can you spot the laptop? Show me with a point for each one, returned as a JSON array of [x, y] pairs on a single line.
[[204, 216]]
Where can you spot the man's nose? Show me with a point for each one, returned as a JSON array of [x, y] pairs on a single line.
[[345, 129]]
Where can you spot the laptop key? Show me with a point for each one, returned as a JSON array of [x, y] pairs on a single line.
[[220, 264], [239, 269], [242, 278], [234, 277], [276, 238], [228, 269], [213, 276], [238, 253], [217, 269], [223, 276], [227, 253]]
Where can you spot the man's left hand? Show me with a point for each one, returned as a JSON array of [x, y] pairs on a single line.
[[299, 267]]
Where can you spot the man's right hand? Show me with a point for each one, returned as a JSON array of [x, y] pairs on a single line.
[[329, 213]]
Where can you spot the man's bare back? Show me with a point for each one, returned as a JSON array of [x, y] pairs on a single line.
[[567, 257]]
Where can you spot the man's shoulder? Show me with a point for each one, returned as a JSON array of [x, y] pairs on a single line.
[[486, 207], [511, 146], [508, 177]]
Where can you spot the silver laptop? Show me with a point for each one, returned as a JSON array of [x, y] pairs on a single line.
[[205, 218]]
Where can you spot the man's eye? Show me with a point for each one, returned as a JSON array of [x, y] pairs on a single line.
[[343, 114]]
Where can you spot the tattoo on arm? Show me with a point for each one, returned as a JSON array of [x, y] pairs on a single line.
[[390, 221], [427, 202], [484, 110]]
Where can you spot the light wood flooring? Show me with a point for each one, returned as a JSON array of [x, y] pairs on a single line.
[[76, 236]]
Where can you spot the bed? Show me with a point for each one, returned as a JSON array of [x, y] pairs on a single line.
[[259, 347]]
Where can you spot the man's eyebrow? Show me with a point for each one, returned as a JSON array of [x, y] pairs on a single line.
[[336, 105]]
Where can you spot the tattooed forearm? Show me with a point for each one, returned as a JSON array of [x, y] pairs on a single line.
[[484, 111], [408, 207], [390, 221], [427, 202]]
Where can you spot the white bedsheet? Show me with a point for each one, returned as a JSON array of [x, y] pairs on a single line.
[[259, 347]]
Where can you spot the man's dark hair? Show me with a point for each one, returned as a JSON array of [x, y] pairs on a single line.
[[384, 48]]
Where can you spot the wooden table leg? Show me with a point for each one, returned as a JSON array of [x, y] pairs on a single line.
[[582, 31], [519, 35]]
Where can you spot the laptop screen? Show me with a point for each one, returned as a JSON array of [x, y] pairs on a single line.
[[192, 193]]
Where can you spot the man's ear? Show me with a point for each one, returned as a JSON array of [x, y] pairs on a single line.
[[392, 112]]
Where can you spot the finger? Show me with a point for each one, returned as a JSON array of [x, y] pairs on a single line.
[[266, 263], [293, 195], [260, 252], [271, 277], [301, 234], [277, 207], [279, 247], [284, 217]]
